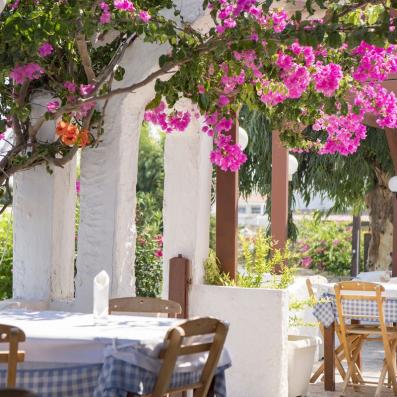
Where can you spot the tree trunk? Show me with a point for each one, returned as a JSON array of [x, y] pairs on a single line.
[[380, 205]]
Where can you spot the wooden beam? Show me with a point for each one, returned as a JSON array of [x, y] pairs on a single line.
[[226, 215], [279, 195]]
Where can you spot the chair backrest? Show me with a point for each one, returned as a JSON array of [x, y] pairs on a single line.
[[144, 305], [177, 345], [16, 393], [12, 336], [309, 287], [359, 291]]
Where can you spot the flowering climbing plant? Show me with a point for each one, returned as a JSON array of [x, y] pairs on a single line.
[[315, 63]]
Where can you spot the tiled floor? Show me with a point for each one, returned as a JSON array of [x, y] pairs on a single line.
[[372, 362]]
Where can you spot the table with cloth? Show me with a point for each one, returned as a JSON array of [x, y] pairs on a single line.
[[326, 313], [71, 354]]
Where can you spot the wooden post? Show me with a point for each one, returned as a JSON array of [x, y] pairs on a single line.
[[279, 195], [179, 283], [226, 215], [356, 233], [391, 135], [329, 359]]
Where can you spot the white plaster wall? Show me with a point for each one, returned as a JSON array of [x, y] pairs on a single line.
[[44, 236], [257, 339], [187, 199]]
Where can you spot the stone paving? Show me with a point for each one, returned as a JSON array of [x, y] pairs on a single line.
[[372, 359]]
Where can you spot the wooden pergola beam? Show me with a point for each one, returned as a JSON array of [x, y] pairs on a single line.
[[279, 195], [227, 195]]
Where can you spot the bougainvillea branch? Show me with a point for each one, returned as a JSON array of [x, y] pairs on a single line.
[[320, 67]]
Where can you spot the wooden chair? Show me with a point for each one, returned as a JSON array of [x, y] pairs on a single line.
[[339, 352], [16, 393], [176, 346], [13, 336], [145, 305], [369, 292]]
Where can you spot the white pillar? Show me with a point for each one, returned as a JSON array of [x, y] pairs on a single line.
[[44, 235], [108, 183], [187, 199]]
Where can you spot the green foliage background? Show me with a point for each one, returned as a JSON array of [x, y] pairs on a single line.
[[148, 267], [326, 246], [150, 187], [6, 254]]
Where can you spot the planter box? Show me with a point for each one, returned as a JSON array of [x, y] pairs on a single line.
[[301, 352], [257, 339]]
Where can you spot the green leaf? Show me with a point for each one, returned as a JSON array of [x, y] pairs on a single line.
[[154, 102]]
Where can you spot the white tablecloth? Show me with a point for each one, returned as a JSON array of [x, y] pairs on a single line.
[[60, 337]]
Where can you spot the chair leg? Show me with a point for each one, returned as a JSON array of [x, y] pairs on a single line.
[[381, 379], [317, 374], [389, 347], [352, 366]]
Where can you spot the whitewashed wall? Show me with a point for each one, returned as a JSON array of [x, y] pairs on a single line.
[[44, 206], [257, 339]]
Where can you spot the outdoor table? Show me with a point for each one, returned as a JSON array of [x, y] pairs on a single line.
[[71, 354], [325, 311]]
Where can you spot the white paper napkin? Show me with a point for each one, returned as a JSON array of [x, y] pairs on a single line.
[[101, 295]]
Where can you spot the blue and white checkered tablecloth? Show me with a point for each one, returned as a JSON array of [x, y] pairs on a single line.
[[118, 377], [112, 379], [67, 381], [325, 311]]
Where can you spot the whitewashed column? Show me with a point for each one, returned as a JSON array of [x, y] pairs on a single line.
[[44, 235], [108, 185], [187, 199]]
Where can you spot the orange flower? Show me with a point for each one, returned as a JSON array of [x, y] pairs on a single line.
[[61, 127], [84, 138], [68, 132]]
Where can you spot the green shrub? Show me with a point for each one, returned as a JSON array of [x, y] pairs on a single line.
[[324, 246], [148, 252], [258, 257], [6, 253]]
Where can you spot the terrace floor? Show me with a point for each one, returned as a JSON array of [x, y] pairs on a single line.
[[372, 359]]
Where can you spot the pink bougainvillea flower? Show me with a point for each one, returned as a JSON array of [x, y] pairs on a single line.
[[124, 5], [280, 21], [53, 106], [85, 108], [30, 71], [227, 156], [223, 101], [78, 186], [86, 89], [327, 78], [175, 121], [201, 89], [45, 50], [2, 136], [71, 87], [307, 261], [144, 16], [158, 253], [106, 16], [15, 4]]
